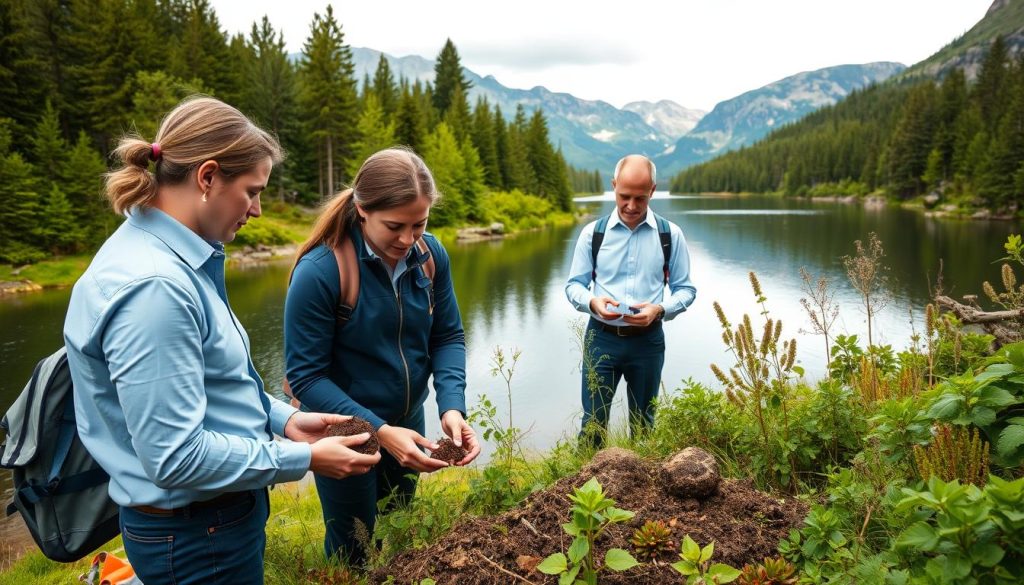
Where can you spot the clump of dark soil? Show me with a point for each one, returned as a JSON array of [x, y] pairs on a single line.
[[355, 426], [448, 452], [745, 524]]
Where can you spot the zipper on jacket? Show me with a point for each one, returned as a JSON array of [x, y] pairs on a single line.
[[408, 383]]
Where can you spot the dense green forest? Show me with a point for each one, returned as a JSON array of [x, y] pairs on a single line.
[[963, 141], [77, 74]]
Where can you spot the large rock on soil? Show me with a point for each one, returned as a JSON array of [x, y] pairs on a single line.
[[690, 473]]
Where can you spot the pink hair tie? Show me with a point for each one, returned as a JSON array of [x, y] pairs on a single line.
[[154, 151]]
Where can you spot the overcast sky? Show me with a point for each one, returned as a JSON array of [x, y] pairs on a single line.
[[695, 53]]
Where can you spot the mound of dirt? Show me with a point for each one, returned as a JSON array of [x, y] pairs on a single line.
[[745, 524], [448, 451]]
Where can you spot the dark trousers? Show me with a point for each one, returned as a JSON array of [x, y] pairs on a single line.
[[350, 504], [211, 546], [639, 359]]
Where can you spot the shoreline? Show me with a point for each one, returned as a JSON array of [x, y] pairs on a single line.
[[244, 257]]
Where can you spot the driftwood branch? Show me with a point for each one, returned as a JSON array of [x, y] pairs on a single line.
[[997, 323]]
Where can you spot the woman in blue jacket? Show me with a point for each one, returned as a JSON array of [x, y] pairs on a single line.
[[373, 360]]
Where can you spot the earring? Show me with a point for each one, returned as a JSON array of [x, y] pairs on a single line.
[[204, 196]]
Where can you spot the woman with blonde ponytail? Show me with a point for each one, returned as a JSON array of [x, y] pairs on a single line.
[[166, 396], [373, 359]]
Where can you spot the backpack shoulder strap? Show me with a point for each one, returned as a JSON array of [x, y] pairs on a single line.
[[665, 236], [348, 275], [429, 267], [595, 243]]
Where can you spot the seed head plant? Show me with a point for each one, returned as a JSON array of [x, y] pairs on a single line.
[[869, 277], [821, 308], [955, 453], [761, 371]]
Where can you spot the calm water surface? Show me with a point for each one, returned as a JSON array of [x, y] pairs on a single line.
[[511, 294]]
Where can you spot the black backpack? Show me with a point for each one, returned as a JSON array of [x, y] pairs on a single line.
[[664, 236], [59, 489]]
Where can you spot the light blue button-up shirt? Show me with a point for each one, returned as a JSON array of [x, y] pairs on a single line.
[[166, 396], [629, 268]]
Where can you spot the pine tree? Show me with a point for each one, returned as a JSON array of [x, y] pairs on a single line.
[[270, 97], [203, 53], [470, 181], [22, 81], [992, 80], [328, 97], [484, 141], [458, 117], [59, 231], [518, 168], [48, 145], [442, 154], [411, 122], [375, 133], [49, 20], [19, 203], [448, 78], [82, 183], [384, 87], [911, 142], [502, 149]]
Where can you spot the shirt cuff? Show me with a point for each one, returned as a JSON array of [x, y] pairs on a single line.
[[294, 459], [280, 412]]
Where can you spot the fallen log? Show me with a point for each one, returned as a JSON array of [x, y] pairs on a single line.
[[1005, 326]]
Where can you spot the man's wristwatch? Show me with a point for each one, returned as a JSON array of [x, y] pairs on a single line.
[[661, 313]]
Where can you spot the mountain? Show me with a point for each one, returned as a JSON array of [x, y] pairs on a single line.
[[929, 132], [1004, 18], [748, 117], [666, 116], [592, 134]]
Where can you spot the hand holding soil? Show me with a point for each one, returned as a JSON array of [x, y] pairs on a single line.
[[448, 452], [355, 426], [404, 445]]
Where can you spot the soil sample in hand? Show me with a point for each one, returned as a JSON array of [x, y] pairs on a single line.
[[355, 426], [448, 452]]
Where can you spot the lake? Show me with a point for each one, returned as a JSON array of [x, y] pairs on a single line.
[[511, 294]]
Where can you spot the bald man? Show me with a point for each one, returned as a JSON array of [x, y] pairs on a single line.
[[620, 269]]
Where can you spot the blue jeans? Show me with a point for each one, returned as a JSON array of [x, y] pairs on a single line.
[[639, 359], [211, 546], [346, 501]]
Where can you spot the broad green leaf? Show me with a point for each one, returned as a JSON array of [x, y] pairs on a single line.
[[956, 566], [691, 551], [996, 397], [981, 416], [553, 565], [570, 529], [685, 567], [569, 577], [987, 554], [618, 515], [919, 535], [617, 559], [724, 573], [1014, 353], [945, 407], [578, 549], [707, 551], [1010, 439]]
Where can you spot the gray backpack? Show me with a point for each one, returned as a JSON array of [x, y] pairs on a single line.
[[59, 489]]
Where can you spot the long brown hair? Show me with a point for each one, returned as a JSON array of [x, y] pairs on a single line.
[[389, 178], [197, 130]]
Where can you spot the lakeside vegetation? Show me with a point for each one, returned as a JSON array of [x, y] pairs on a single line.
[[962, 142], [78, 75], [911, 460]]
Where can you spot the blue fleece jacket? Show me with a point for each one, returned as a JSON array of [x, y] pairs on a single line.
[[376, 365]]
